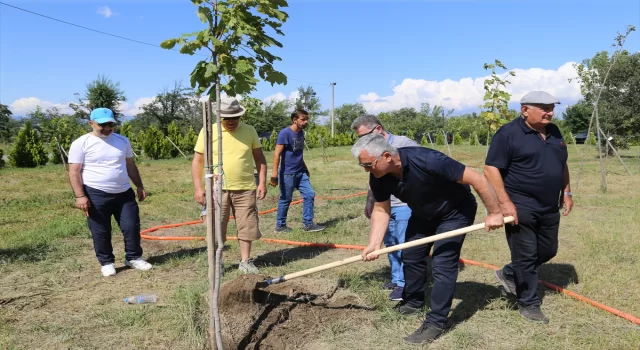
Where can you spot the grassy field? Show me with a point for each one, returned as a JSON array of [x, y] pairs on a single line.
[[53, 297]]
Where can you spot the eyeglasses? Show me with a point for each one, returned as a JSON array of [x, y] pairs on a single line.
[[370, 131], [108, 124], [370, 165]]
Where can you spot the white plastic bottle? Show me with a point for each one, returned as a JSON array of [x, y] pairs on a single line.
[[141, 299]]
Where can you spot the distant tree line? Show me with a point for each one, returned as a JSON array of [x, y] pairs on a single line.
[[172, 120]]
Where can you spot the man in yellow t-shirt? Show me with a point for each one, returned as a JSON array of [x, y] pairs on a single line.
[[241, 154]]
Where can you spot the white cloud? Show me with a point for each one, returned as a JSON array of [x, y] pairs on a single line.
[[467, 93], [105, 12], [136, 108], [26, 105], [293, 96]]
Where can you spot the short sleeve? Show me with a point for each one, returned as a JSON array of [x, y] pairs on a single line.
[[380, 192], [283, 138], [256, 140], [129, 150], [76, 153], [499, 154], [445, 167], [199, 147]]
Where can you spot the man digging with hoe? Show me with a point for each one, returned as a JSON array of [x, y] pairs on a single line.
[[436, 188]]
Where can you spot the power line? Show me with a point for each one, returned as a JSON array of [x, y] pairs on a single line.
[[90, 29], [134, 40]]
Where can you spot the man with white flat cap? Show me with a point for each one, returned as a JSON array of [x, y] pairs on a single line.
[[527, 166]]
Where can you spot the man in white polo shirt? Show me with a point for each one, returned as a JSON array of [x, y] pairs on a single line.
[[100, 166]]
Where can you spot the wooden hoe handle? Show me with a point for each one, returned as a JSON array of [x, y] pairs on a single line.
[[386, 250]]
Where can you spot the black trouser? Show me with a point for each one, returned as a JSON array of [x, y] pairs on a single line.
[[446, 254], [532, 242], [124, 208]]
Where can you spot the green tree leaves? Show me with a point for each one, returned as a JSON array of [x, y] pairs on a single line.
[[495, 108], [236, 37], [611, 83], [102, 92]]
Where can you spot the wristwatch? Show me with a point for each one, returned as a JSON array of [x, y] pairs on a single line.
[[568, 194]]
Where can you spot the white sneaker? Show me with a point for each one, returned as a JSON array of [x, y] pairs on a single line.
[[138, 264], [108, 270]]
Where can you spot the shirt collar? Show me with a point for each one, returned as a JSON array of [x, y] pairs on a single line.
[[525, 128], [390, 139]]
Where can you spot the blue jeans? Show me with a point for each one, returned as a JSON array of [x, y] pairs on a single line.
[[289, 182], [395, 235]]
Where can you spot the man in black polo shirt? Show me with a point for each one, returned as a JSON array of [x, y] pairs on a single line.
[[527, 166], [436, 188]]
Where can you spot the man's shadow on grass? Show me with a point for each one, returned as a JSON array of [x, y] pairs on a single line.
[[286, 256], [177, 255], [475, 296], [27, 253], [559, 274]]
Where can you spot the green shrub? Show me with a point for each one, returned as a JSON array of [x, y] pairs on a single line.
[[28, 150], [424, 141], [2, 163], [188, 141], [440, 139], [65, 129], [154, 144], [472, 139], [173, 132], [457, 139]]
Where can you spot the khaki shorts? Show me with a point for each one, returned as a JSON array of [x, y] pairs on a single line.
[[242, 205]]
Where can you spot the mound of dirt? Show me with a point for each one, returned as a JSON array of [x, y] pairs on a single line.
[[283, 316]]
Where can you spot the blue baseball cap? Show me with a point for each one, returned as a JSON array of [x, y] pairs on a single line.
[[102, 115]]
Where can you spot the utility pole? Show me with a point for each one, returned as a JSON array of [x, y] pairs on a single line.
[[332, 106]]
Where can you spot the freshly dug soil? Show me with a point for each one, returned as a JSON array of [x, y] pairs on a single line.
[[283, 316]]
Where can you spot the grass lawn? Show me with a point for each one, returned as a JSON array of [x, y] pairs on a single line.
[[53, 297]]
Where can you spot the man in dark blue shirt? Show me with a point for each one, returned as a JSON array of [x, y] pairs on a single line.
[[436, 188], [288, 158], [527, 166]]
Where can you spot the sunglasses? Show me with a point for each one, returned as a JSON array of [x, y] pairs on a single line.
[[369, 165], [229, 119], [370, 131], [108, 124]]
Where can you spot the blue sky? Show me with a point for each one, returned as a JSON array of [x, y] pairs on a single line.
[[384, 54]]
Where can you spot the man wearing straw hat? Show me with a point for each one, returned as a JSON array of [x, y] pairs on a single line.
[[241, 154], [527, 166], [437, 190]]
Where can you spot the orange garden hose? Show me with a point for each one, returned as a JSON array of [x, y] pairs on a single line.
[[558, 289]]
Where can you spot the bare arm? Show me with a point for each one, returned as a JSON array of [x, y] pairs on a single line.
[[380, 217], [197, 164], [495, 178], [134, 175], [261, 165], [481, 185], [276, 164], [567, 178], [483, 188], [75, 177], [567, 199], [368, 207]]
